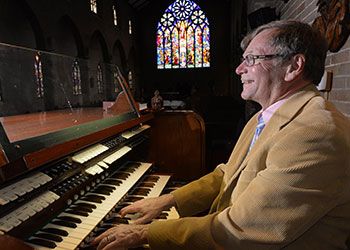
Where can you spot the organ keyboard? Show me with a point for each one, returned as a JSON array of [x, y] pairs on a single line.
[[88, 213], [63, 203], [92, 194]]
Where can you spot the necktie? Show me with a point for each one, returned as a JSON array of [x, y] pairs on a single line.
[[258, 131]]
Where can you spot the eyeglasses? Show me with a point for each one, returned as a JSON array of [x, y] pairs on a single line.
[[250, 59]]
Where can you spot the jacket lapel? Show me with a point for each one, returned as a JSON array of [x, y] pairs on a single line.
[[240, 150]]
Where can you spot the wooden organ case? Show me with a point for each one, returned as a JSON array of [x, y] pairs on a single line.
[[65, 174]]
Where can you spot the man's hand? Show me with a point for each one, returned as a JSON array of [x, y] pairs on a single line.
[[122, 237], [150, 208]]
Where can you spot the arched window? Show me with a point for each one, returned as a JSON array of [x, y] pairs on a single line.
[[115, 18], [76, 78], [183, 39], [38, 74], [115, 81], [130, 80], [93, 5], [99, 79]]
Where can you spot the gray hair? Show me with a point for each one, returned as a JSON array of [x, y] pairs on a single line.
[[294, 37]]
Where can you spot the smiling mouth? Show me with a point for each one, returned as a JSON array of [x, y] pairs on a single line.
[[247, 81]]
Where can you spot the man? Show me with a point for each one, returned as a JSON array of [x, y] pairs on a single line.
[[288, 187]]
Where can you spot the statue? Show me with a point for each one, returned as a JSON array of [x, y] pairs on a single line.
[[334, 22], [156, 101]]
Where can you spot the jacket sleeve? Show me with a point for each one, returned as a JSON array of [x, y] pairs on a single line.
[[199, 195], [279, 204]]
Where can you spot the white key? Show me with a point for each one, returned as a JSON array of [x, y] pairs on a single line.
[[159, 186], [5, 226], [89, 153], [3, 201], [117, 155]]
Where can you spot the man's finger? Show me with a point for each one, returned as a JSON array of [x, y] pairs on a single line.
[[101, 237], [142, 220], [105, 242], [114, 245], [128, 210]]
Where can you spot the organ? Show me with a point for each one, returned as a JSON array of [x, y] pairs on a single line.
[[66, 173]]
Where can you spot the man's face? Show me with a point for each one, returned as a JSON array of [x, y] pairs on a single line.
[[261, 80]]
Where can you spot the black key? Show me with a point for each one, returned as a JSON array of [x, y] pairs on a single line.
[[132, 164], [140, 192], [55, 231], [151, 178], [82, 208], [117, 220], [42, 242], [119, 175], [133, 199], [162, 216], [128, 170], [146, 184], [118, 208], [64, 223], [87, 205], [95, 196], [99, 231], [107, 225], [49, 237], [91, 199], [114, 182], [102, 191], [143, 189], [81, 213], [87, 247], [69, 218], [107, 187]]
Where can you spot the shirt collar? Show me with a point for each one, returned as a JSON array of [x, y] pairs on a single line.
[[268, 113]]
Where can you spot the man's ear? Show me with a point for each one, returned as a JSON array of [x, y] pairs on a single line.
[[295, 68]]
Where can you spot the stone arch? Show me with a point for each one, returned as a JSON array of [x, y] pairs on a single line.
[[21, 26], [67, 36], [98, 47]]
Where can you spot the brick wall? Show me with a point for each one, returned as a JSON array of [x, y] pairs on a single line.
[[338, 62]]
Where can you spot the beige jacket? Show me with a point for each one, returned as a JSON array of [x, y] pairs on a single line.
[[291, 191]]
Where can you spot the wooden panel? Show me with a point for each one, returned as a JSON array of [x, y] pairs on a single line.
[[3, 158], [177, 144], [9, 242]]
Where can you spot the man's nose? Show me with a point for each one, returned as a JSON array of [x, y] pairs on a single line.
[[241, 68]]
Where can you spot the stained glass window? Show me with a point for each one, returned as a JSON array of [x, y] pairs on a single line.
[[183, 39], [38, 74], [93, 5], [99, 79], [76, 78], [115, 19]]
